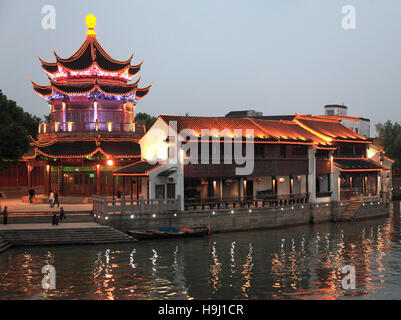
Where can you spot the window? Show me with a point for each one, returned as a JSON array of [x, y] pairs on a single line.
[[283, 151], [259, 150], [171, 190], [299, 151], [160, 191]]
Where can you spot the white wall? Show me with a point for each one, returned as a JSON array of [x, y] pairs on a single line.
[[153, 145]]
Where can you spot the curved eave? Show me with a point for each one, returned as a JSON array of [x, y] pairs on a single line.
[[130, 89], [117, 172], [24, 157], [133, 70], [44, 91], [352, 140], [49, 67], [357, 170], [108, 57], [142, 92], [321, 147]]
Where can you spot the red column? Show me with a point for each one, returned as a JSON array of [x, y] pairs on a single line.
[[47, 179], [98, 179], [29, 176]]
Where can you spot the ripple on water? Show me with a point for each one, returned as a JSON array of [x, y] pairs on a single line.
[[302, 262]]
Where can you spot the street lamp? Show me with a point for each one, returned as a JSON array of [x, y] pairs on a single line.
[[110, 163]]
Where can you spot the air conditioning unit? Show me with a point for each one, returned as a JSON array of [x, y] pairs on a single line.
[[170, 179]]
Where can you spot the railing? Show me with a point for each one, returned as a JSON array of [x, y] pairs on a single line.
[[348, 194], [248, 201], [107, 209], [88, 127]]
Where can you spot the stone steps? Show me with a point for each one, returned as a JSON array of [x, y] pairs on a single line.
[[349, 212], [4, 245], [59, 236], [46, 218]]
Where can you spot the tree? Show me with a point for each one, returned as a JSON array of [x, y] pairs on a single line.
[[389, 137], [15, 127], [146, 119], [47, 117]]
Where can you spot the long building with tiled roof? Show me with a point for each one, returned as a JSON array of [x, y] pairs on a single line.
[[237, 158]]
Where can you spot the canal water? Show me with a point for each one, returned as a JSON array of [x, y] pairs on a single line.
[[302, 262]]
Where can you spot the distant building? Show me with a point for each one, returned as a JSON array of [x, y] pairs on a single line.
[[358, 124], [244, 114]]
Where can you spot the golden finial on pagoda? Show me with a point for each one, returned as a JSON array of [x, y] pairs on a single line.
[[91, 24]]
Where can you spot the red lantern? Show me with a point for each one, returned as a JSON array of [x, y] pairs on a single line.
[[281, 180]]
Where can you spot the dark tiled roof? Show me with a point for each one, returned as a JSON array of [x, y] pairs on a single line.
[[74, 149], [121, 148], [356, 164], [219, 123], [331, 128], [137, 168], [287, 131], [69, 148], [90, 52]]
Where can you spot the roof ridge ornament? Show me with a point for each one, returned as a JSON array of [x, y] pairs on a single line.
[[91, 24]]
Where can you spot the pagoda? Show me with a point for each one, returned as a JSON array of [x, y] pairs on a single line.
[[91, 131]]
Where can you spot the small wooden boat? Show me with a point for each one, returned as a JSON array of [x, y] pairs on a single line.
[[163, 234]]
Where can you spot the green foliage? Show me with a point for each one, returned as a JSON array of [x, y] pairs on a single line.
[[15, 126], [146, 119], [389, 137], [47, 117]]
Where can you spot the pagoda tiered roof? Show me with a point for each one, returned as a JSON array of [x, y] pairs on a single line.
[[90, 68], [101, 85]]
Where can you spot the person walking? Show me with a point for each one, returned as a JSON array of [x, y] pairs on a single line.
[[55, 220], [56, 199], [31, 195], [51, 199], [62, 214], [5, 215]]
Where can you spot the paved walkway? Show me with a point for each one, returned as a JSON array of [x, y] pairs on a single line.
[[16, 205], [39, 226]]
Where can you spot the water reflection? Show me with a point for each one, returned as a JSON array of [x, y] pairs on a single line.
[[297, 263]]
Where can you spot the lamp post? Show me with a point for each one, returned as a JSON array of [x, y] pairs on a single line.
[[110, 163]]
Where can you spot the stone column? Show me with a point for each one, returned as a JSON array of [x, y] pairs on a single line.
[[180, 179], [379, 182], [334, 184], [312, 174], [241, 188]]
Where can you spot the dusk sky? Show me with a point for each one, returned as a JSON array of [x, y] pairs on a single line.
[[212, 56]]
